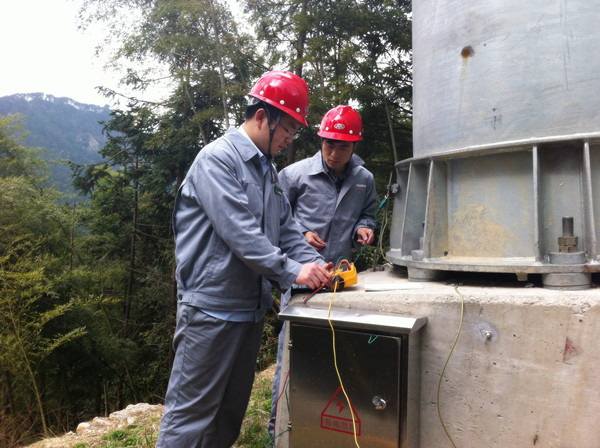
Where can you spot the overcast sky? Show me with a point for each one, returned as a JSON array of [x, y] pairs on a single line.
[[42, 50]]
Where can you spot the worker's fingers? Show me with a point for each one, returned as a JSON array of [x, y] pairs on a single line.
[[304, 279], [319, 240], [324, 275], [316, 244], [313, 239], [365, 235], [320, 274], [313, 275]]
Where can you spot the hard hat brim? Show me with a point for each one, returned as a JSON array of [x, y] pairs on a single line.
[[339, 136]]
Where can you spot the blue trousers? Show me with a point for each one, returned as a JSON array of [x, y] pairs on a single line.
[[210, 381]]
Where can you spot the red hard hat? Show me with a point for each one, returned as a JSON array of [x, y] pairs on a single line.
[[341, 123], [285, 91]]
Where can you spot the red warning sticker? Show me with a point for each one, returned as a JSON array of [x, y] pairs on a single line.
[[336, 415]]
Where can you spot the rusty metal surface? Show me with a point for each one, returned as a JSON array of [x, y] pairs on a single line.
[[490, 206]]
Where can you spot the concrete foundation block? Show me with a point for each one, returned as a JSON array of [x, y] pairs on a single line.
[[525, 371]]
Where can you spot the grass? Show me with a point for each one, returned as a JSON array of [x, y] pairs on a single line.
[[144, 433], [132, 436], [254, 432]]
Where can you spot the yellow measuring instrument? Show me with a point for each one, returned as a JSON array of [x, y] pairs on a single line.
[[345, 275]]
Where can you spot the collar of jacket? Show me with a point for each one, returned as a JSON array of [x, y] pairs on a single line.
[[241, 144], [316, 164]]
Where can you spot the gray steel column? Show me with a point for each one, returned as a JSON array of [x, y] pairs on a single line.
[[537, 213], [590, 224]]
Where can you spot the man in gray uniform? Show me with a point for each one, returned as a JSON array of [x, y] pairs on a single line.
[[333, 199], [332, 194], [234, 239]]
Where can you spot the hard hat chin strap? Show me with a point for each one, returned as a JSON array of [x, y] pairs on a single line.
[[271, 131]]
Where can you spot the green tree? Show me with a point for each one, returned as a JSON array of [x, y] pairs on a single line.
[[16, 159], [26, 308], [349, 51], [32, 245], [123, 191], [150, 147], [354, 52], [198, 46]]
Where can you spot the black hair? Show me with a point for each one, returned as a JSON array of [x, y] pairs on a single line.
[[273, 114], [354, 144]]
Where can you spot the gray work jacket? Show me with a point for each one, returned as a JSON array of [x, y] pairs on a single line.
[[234, 231], [318, 207]]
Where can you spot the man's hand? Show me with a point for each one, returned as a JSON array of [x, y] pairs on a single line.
[[314, 240], [313, 275], [365, 235]]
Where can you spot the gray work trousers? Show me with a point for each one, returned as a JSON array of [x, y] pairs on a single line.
[[210, 381]]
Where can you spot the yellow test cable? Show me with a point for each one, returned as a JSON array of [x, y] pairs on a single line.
[[439, 385], [335, 284]]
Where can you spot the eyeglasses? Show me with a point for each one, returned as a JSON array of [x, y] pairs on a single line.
[[291, 133]]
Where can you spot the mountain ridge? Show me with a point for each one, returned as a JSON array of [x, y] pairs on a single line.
[[65, 130], [33, 96]]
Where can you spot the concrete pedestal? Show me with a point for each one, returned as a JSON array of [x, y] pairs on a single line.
[[525, 371]]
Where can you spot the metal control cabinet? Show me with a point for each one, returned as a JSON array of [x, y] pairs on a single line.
[[378, 359]]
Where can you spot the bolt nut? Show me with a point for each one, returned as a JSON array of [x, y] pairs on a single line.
[[378, 403]]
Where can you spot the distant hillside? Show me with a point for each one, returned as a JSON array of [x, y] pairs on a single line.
[[65, 129]]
